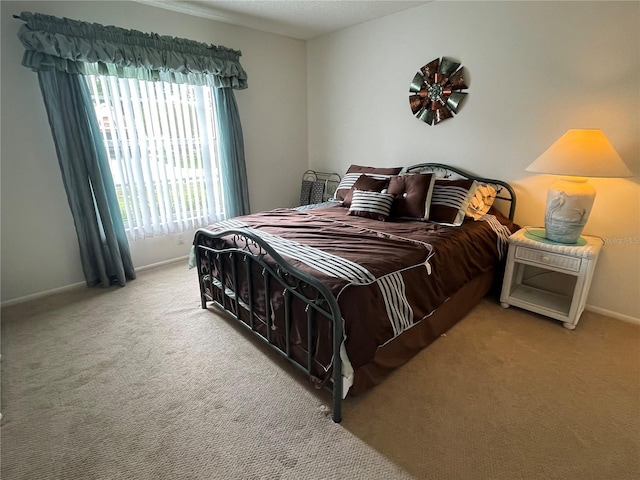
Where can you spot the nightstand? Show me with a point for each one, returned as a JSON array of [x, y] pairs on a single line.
[[549, 278]]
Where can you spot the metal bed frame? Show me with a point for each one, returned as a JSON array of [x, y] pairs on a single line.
[[249, 249], [241, 251]]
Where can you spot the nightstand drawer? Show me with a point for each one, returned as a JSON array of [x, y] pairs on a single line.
[[544, 258]]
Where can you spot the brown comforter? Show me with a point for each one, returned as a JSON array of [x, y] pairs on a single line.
[[386, 276]]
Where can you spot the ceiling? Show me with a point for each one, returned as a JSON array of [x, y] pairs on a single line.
[[301, 19]]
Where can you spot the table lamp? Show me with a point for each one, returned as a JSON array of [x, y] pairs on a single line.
[[576, 155]]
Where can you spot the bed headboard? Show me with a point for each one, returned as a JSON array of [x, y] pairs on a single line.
[[505, 200]]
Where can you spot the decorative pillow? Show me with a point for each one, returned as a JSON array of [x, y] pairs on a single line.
[[374, 205], [450, 200], [354, 172], [365, 182], [305, 192], [482, 201], [317, 192], [412, 195]]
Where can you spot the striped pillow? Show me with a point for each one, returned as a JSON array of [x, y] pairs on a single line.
[[450, 200], [374, 205], [354, 172], [368, 183]]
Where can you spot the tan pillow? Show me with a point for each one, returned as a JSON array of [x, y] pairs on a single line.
[[482, 201]]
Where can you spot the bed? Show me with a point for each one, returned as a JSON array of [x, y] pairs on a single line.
[[348, 294]]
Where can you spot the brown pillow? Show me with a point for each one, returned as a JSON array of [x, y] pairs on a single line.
[[373, 205], [366, 183], [412, 195], [354, 172], [450, 200]]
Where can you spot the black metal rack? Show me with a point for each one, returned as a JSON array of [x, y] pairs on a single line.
[[318, 187]]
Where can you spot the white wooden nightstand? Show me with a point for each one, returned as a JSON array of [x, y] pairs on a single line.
[[549, 278]]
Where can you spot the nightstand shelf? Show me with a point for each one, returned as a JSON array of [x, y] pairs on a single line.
[[549, 278], [555, 303]]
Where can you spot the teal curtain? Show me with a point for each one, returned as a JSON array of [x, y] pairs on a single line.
[[236, 192], [60, 50], [74, 46], [104, 250]]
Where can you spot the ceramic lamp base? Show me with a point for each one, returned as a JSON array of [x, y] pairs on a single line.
[[569, 203]]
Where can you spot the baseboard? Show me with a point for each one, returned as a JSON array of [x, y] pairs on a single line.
[[46, 293], [611, 314], [73, 286], [164, 262]]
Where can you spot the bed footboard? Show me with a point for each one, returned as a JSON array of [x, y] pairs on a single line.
[[244, 276]]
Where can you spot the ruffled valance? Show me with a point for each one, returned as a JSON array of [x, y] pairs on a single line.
[[74, 46]]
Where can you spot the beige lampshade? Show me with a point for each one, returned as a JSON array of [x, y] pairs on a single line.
[[581, 153]]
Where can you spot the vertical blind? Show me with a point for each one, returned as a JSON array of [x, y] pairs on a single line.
[[162, 149]]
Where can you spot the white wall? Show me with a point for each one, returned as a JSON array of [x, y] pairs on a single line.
[[39, 246], [536, 69]]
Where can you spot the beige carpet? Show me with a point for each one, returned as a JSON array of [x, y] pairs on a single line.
[[140, 383]]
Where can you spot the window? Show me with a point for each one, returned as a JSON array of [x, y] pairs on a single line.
[[162, 150]]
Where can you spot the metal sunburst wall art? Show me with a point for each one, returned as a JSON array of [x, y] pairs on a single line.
[[435, 91]]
